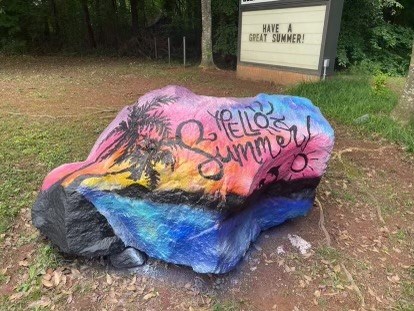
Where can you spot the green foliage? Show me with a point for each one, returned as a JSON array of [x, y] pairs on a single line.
[[376, 35], [227, 306], [379, 83], [346, 98], [18, 25], [225, 21], [371, 39]]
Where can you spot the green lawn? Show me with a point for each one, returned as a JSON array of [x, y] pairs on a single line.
[[29, 149]]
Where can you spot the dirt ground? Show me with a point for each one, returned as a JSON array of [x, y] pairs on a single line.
[[361, 228]]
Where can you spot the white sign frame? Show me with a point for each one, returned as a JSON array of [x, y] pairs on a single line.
[[330, 33], [274, 36], [247, 2]]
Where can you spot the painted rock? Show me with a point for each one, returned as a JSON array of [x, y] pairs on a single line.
[[188, 179]]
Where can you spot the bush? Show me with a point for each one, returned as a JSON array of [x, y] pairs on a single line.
[[225, 24], [371, 40]]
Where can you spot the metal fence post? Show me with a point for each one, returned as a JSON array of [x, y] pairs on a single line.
[[155, 47], [169, 52], [184, 50]]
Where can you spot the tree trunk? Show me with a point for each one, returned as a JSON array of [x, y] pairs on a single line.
[[99, 28], [404, 111], [115, 22], [91, 36], [206, 43], [134, 17], [55, 18], [122, 8], [143, 14]]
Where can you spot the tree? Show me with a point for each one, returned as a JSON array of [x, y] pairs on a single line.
[[88, 24], [206, 42], [134, 16], [371, 37], [404, 111]]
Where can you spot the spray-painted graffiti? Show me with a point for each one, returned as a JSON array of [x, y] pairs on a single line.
[[169, 171], [265, 132]]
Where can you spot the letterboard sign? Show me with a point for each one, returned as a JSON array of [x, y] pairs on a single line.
[[288, 35]]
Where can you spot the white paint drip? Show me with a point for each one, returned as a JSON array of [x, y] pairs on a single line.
[[280, 250], [302, 245]]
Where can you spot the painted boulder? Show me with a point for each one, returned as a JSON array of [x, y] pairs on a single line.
[[188, 179]]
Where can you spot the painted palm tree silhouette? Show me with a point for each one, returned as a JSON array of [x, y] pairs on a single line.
[[142, 139]]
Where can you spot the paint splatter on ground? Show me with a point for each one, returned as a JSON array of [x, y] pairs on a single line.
[[302, 245]]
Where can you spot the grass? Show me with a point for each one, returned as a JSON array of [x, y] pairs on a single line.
[[227, 306], [28, 151], [46, 257], [328, 253], [345, 98]]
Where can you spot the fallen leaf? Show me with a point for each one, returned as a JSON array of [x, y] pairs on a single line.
[[134, 280], [23, 263], [394, 279], [397, 250], [4, 271], [47, 284], [109, 279], [307, 255], [16, 296], [317, 293], [43, 302], [149, 295], [70, 299], [64, 279], [57, 277], [75, 273]]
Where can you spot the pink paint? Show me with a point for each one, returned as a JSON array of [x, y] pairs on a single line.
[[241, 144]]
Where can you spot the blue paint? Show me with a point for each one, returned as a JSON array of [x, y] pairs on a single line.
[[200, 238]]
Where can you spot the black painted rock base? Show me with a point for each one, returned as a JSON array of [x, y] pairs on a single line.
[[73, 224], [129, 258]]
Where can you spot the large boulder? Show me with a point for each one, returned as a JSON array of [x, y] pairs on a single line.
[[188, 179]]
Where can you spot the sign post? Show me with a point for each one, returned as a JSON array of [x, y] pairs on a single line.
[[288, 41]]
